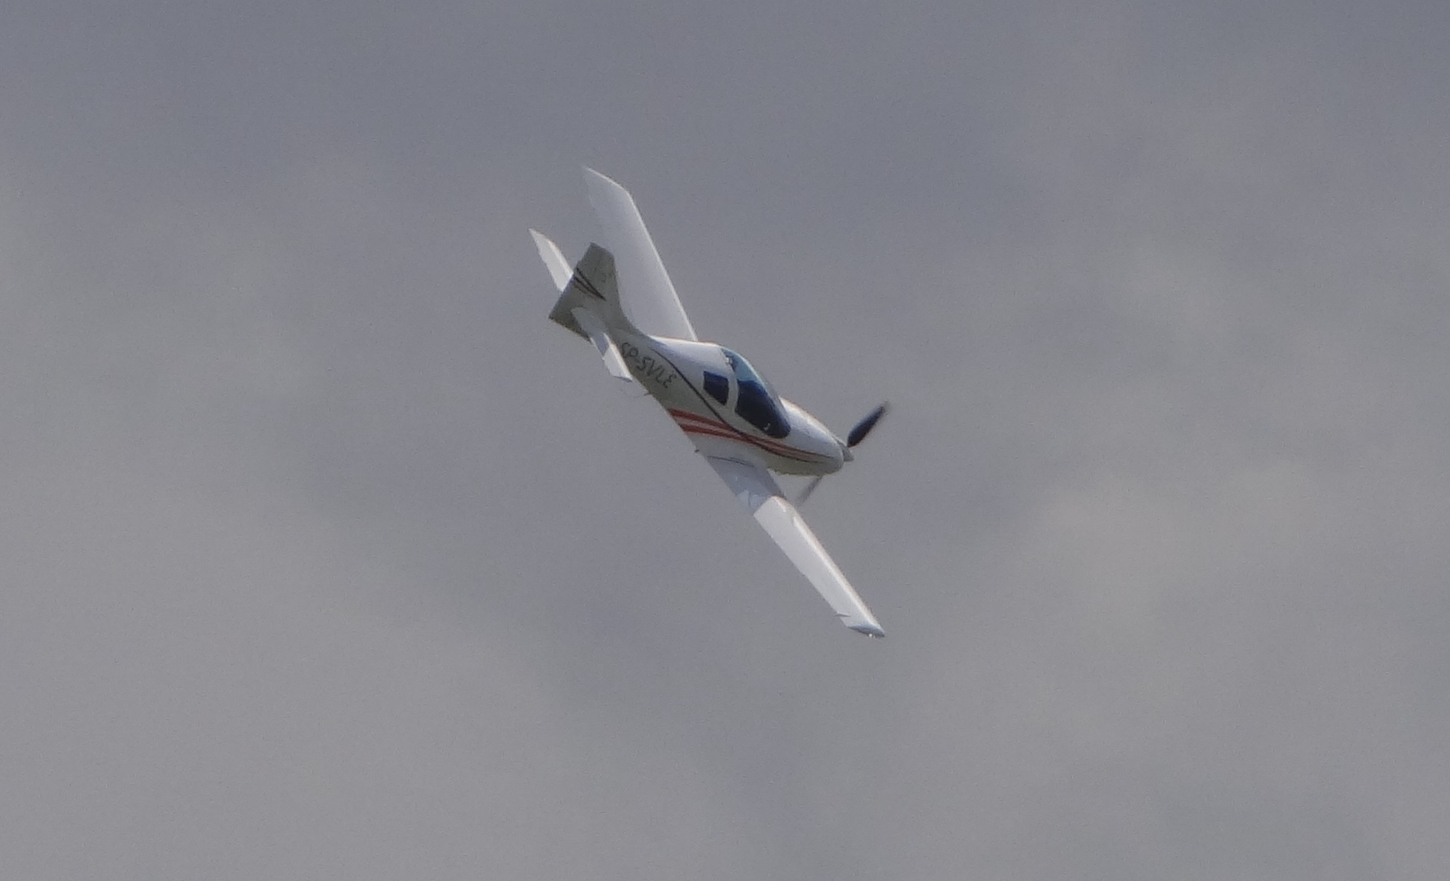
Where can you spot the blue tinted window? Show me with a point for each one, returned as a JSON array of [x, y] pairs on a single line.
[[757, 403], [717, 386]]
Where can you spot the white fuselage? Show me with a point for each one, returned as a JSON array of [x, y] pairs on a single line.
[[735, 419], [727, 410]]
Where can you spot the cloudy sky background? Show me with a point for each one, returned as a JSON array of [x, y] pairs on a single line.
[[326, 555]]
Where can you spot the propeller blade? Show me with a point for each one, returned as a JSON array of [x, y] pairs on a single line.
[[864, 427], [810, 488]]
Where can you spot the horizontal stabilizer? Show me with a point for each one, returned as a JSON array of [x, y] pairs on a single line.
[[553, 259], [593, 327]]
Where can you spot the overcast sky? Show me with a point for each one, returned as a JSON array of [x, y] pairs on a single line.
[[325, 555]]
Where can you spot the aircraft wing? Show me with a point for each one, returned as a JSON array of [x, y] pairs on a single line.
[[758, 491], [646, 292]]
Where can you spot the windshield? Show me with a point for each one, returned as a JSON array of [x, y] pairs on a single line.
[[757, 403]]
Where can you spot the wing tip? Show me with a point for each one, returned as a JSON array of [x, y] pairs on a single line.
[[591, 174], [868, 628], [604, 189]]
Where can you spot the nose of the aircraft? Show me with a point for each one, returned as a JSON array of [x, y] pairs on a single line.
[[842, 456], [830, 445], [814, 435]]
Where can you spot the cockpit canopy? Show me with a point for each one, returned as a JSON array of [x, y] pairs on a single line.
[[757, 402]]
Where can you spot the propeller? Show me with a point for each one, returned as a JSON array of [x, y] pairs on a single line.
[[855, 436], [864, 427]]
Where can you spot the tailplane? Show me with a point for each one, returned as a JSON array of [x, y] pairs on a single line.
[[593, 287], [588, 301], [553, 259]]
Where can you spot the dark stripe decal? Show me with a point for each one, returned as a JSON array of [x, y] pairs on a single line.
[[586, 285]]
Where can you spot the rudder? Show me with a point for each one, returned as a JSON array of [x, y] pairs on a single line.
[[594, 287]]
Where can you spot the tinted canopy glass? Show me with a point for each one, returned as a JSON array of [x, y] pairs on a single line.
[[757, 403], [717, 386]]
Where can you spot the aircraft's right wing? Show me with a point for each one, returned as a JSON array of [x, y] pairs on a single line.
[[646, 291], [758, 491]]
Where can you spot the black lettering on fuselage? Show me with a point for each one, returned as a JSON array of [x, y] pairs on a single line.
[[647, 366]]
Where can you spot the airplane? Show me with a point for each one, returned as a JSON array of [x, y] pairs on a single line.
[[725, 407]]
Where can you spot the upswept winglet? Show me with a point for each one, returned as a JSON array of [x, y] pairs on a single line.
[[649, 297], [761, 495]]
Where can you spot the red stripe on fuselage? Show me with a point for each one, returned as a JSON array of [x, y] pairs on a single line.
[[704, 425], [732, 431]]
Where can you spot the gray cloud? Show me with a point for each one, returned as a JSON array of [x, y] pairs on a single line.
[[327, 554]]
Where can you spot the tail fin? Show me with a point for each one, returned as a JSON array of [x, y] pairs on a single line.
[[588, 300], [593, 288]]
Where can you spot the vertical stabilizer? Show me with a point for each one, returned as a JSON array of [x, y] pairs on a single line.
[[593, 287]]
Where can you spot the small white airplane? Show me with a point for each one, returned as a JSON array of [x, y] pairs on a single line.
[[733, 416]]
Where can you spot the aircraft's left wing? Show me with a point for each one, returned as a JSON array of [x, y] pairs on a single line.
[[758, 491], [646, 291]]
